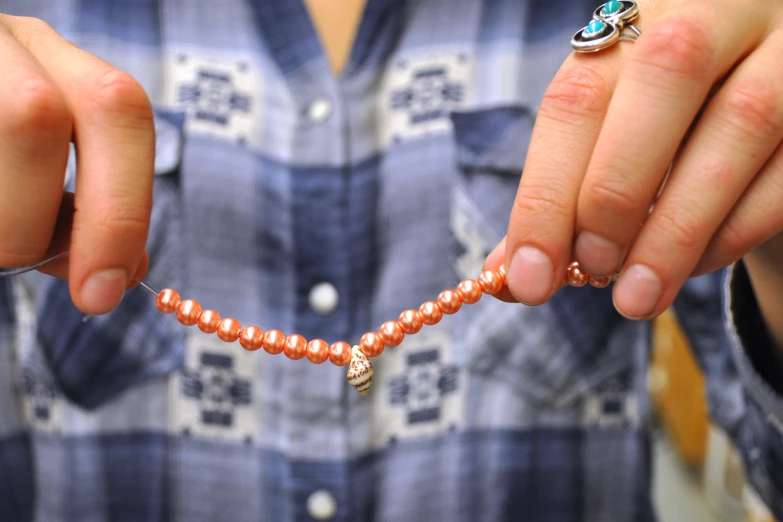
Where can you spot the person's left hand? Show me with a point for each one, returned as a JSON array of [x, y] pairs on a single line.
[[702, 88]]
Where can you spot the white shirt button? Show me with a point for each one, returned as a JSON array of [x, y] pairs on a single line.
[[321, 505], [324, 298], [320, 110]]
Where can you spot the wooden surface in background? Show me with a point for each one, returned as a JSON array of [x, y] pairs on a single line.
[[677, 387], [678, 393]]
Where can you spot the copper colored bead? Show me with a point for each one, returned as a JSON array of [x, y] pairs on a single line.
[[168, 300], [295, 346], [449, 302], [251, 338], [430, 313], [469, 291], [371, 344], [502, 273], [317, 351], [391, 333], [274, 342], [410, 321], [600, 282], [576, 276], [340, 353], [491, 282], [229, 330], [208, 321], [188, 312]]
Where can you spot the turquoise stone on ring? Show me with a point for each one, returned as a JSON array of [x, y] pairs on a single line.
[[612, 7], [593, 29]]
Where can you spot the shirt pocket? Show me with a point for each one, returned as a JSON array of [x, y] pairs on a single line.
[[94, 359], [489, 152], [491, 146], [554, 354]]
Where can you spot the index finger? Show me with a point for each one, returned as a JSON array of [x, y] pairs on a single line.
[[541, 227], [115, 142], [572, 113]]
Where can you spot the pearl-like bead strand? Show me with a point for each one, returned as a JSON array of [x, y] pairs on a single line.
[[391, 333], [372, 344]]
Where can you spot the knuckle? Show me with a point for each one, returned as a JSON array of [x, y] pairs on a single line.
[[752, 107], [715, 172], [35, 25], [577, 91], [38, 111], [23, 252], [678, 46], [549, 201], [680, 230], [732, 239], [25, 28], [123, 221], [616, 195], [118, 93]]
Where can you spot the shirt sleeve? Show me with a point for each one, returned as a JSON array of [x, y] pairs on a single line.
[[759, 360], [759, 435]]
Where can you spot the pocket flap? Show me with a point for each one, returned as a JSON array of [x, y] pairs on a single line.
[[493, 139]]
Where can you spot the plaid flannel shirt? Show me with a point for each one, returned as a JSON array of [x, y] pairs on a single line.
[[292, 199]]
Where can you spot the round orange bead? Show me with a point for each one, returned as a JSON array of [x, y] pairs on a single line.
[[576, 276], [340, 353], [251, 338], [295, 346], [491, 282], [208, 321], [168, 300], [469, 291], [502, 273], [371, 344], [229, 330], [391, 333], [430, 313], [274, 342], [188, 312], [449, 302], [600, 282], [317, 351], [410, 321]]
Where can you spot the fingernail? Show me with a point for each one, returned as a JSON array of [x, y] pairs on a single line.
[[597, 255], [530, 275], [103, 290], [637, 292]]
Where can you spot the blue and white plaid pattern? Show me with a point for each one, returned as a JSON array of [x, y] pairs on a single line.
[[502, 413]]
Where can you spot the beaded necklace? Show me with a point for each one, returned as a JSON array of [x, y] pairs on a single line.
[[189, 312], [391, 333]]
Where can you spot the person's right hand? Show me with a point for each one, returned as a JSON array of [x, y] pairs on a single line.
[[52, 93]]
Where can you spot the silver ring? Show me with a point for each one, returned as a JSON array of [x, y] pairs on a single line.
[[607, 25]]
